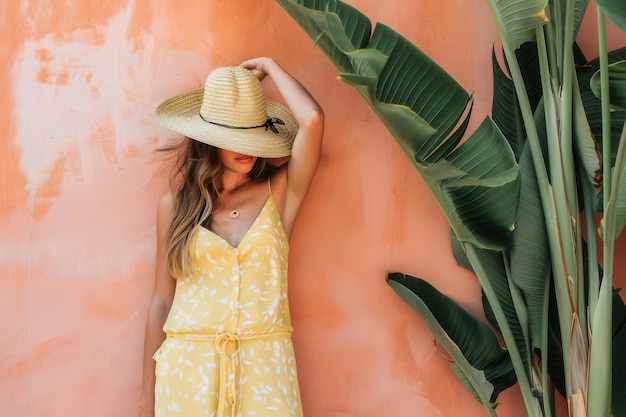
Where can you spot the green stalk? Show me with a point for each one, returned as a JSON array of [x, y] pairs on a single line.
[[557, 219], [530, 401], [600, 369], [592, 249], [566, 198], [600, 372], [547, 198], [552, 56], [545, 375], [586, 295], [559, 35], [606, 109], [565, 80], [566, 108]]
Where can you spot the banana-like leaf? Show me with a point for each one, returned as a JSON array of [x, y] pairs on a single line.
[[505, 108], [484, 167], [619, 199], [494, 265], [617, 85], [519, 19], [481, 363], [529, 253], [586, 106], [557, 14], [620, 220], [617, 97], [477, 182], [418, 102], [427, 112], [529, 257], [588, 149], [317, 22], [615, 11], [505, 105]]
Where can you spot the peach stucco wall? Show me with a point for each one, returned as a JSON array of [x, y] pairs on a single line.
[[79, 182]]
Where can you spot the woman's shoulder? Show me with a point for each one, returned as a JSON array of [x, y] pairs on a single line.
[[166, 204]]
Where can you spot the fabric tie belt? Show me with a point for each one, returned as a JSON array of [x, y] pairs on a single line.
[[228, 345]]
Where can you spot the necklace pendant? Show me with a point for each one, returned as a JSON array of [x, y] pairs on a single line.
[[233, 214]]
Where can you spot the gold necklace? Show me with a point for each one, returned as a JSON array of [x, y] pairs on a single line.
[[234, 212]]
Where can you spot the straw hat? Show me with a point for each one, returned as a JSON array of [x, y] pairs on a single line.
[[231, 112]]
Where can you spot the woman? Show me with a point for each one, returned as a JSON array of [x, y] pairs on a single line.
[[223, 235]]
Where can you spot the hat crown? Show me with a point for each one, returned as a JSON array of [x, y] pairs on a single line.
[[231, 112], [233, 96]]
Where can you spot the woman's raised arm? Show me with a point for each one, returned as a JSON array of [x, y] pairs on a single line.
[[306, 151]]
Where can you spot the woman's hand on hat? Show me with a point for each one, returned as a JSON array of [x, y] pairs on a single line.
[[258, 66]]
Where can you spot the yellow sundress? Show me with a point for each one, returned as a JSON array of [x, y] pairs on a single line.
[[228, 350]]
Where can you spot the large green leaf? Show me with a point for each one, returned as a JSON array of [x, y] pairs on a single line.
[[505, 106], [427, 112], [590, 91], [413, 80], [481, 204], [497, 279], [530, 258], [530, 264], [588, 148], [617, 85], [519, 19], [620, 220], [618, 197], [418, 102], [558, 12], [615, 11], [477, 181], [483, 365], [317, 20]]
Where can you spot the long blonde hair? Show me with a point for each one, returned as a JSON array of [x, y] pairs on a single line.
[[196, 179]]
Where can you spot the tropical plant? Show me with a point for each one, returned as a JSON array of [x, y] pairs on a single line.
[[523, 193]]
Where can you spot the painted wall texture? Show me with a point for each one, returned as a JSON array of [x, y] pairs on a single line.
[[79, 182]]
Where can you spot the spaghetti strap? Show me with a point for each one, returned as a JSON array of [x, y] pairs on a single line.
[[269, 185]]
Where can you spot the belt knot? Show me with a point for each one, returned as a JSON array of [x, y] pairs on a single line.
[[223, 340]]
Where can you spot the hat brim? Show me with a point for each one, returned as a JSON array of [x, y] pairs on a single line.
[[181, 113]]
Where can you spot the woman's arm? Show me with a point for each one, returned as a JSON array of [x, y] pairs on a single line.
[[306, 151], [159, 307]]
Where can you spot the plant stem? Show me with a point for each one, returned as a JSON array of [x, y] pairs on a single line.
[[545, 378], [556, 215], [600, 371], [532, 407], [564, 301], [564, 174]]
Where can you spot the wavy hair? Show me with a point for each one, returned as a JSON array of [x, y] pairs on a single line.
[[196, 180]]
